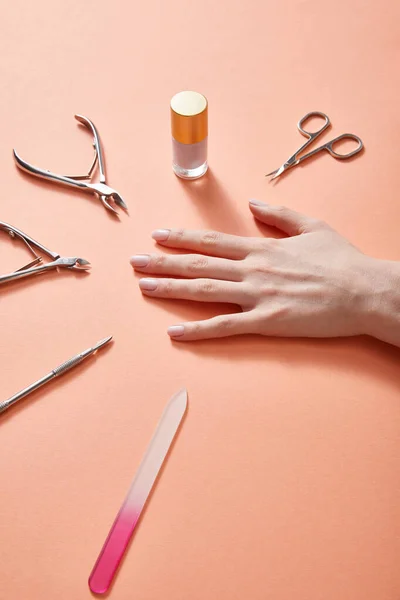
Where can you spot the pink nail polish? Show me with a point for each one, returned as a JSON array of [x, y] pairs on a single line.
[[176, 330], [140, 260], [161, 235], [189, 126], [149, 285], [257, 203]]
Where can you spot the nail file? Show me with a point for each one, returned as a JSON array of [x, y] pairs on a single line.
[[126, 520]]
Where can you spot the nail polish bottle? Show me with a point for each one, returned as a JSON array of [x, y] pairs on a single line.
[[189, 127]]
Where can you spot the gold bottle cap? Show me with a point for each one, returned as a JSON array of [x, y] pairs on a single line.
[[189, 117]]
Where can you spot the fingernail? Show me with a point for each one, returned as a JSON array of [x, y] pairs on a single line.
[[140, 260], [160, 235], [257, 203], [148, 284], [176, 331]]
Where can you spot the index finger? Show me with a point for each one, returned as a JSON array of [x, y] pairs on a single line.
[[212, 243]]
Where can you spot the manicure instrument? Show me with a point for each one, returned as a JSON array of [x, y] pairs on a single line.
[[100, 189], [295, 159], [63, 368], [77, 264], [129, 514]]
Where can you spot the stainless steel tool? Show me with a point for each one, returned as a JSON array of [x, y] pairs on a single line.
[[58, 262], [104, 192], [296, 159], [60, 370]]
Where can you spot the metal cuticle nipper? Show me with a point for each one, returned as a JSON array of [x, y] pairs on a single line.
[[37, 265], [100, 188]]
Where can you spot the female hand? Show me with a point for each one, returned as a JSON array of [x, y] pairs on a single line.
[[312, 283]]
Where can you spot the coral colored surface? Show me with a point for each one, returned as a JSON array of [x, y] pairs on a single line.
[[284, 481]]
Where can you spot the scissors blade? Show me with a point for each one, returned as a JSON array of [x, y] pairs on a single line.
[[285, 167], [279, 172]]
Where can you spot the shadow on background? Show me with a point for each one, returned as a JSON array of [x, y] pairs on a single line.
[[219, 210], [214, 204]]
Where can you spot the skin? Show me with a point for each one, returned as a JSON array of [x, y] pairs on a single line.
[[313, 283]]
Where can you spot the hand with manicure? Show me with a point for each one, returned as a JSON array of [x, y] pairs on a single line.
[[313, 283]]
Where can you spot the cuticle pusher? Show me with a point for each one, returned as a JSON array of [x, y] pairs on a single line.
[[60, 370]]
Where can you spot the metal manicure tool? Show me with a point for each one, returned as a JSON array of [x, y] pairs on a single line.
[[100, 189], [66, 366], [295, 159], [77, 264]]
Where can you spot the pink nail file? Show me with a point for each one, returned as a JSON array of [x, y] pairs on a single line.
[[125, 523]]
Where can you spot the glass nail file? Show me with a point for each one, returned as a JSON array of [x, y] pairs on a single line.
[[128, 516]]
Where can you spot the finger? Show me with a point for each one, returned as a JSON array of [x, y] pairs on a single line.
[[285, 219], [217, 327], [201, 290], [189, 265], [207, 242]]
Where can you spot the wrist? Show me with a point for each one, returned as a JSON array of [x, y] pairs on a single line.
[[381, 306]]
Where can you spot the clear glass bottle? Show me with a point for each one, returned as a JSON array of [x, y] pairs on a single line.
[[189, 128]]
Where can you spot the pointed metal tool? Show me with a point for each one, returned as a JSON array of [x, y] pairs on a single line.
[[60, 370]]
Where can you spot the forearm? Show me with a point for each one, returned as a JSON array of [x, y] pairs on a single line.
[[382, 307]]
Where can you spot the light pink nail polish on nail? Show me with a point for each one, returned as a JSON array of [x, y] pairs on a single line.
[[189, 127], [140, 260], [257, 203], [160, 235], [149, 285], [176, 330]]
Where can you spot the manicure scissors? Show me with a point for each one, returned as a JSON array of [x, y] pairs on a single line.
[[100, 189], [296, 160], [78, 264]]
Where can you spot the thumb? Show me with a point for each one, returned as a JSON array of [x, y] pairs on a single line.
[[285, 219]]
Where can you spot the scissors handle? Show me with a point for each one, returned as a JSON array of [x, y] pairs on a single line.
[[311, 135], [345, 136]]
